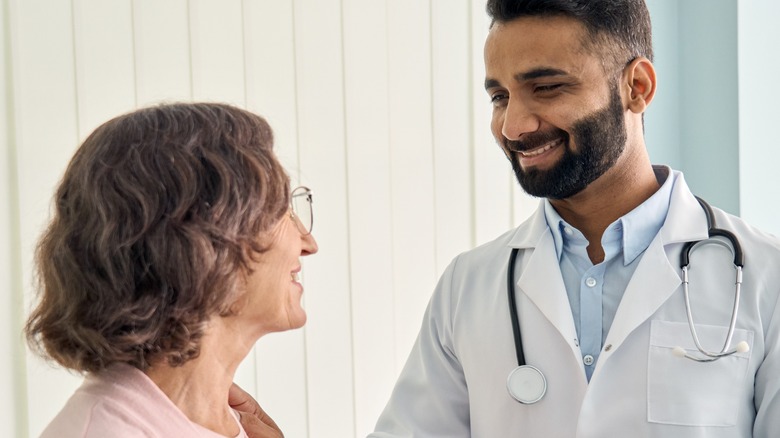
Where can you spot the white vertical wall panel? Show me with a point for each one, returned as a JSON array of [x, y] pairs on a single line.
[[217, 54], [411, 160], [320, 96], [12, 399], [523, 204], [161, 32], [217, 45], [105, 71], [499, 202], [452, 128], [370, 213], [46, 136], [492, 172], [281, 379], [269, 49]]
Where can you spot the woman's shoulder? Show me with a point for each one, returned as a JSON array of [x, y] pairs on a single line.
[[90, 414], [120, 402]]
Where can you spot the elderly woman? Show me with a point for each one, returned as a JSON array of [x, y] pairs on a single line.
[[175, 245]]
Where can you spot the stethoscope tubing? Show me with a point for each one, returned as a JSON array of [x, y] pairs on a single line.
[[739, 263], [525, 383], [712, 231], [513, 309]]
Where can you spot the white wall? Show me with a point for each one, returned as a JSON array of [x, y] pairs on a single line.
[[709, 101], [694, 121], [46, 126], [662, 121], [759, 111], [376, 104], [13, 396]]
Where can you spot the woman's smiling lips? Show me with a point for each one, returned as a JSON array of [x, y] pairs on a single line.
[[296, 275]]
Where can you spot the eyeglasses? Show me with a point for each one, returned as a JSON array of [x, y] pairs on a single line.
[[301, 210]]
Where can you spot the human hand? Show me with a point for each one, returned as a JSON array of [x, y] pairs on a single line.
[[255, 421]]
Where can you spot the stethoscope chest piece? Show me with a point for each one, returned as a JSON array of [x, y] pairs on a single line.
[[526, 384]]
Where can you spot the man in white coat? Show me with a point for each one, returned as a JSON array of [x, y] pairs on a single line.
[[597, 280]]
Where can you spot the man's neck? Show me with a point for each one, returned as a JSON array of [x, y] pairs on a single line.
[[604, 201]]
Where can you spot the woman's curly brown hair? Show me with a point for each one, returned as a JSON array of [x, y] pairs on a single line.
[[157, 212]]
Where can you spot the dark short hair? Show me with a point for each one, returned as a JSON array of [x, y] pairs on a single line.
[[620, 27], [156, 214]]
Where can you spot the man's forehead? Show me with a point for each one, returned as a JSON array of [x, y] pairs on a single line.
[[524, 25], [536, 46]]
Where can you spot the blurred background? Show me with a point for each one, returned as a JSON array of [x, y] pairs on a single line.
[[378, 105]]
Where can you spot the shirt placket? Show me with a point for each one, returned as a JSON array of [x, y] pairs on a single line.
[[591, 288]]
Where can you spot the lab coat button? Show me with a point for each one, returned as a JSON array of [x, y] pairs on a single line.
[[608, 347], [588, 360], [590, 281]]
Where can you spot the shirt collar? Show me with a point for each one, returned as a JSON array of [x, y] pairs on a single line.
[[639, 226]]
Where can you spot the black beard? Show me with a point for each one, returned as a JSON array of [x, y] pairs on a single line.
[[601, 139]]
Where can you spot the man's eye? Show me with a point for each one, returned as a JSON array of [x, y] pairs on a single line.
[[497, 98], [547, 88]]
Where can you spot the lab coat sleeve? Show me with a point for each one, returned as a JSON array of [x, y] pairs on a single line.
[[430, 398], [767, 384]]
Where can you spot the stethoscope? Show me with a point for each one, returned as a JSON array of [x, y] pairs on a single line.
[[527, 384]]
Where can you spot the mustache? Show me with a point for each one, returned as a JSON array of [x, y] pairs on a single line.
[[535, 140]]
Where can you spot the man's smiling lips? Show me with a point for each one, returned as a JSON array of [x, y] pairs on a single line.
[[543, 156], [539, 150]]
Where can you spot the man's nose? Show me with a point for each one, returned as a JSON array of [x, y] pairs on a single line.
[[518, 120]]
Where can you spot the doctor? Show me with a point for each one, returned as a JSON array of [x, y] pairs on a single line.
[[597, 279]]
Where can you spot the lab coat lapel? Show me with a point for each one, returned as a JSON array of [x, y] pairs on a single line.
[[653, 282], [540, 279], [657, 276]]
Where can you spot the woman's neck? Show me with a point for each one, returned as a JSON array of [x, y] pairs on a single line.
[[199, 388]]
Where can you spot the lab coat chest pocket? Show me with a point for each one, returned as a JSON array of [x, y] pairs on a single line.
[[684, 392]]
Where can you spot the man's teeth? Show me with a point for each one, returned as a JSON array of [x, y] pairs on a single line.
[[540, 150], [295, 276]]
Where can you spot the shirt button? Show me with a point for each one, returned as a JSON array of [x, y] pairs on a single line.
[[568, 231], [590, 281], [587, 360]]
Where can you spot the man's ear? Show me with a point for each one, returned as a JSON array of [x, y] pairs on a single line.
[[640, 82]]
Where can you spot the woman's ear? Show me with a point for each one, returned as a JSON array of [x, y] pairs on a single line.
[[640, 81]]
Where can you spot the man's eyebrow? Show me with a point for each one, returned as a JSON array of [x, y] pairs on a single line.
[[539, 73], [490, 83]]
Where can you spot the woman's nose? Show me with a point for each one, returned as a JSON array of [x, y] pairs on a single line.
[[309, 245]]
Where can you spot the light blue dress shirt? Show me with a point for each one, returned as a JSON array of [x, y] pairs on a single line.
[[595, 291]]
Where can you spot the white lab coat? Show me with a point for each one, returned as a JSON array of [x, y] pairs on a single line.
[[454, 383]]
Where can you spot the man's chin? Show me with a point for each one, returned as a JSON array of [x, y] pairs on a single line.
[[539, 183]]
